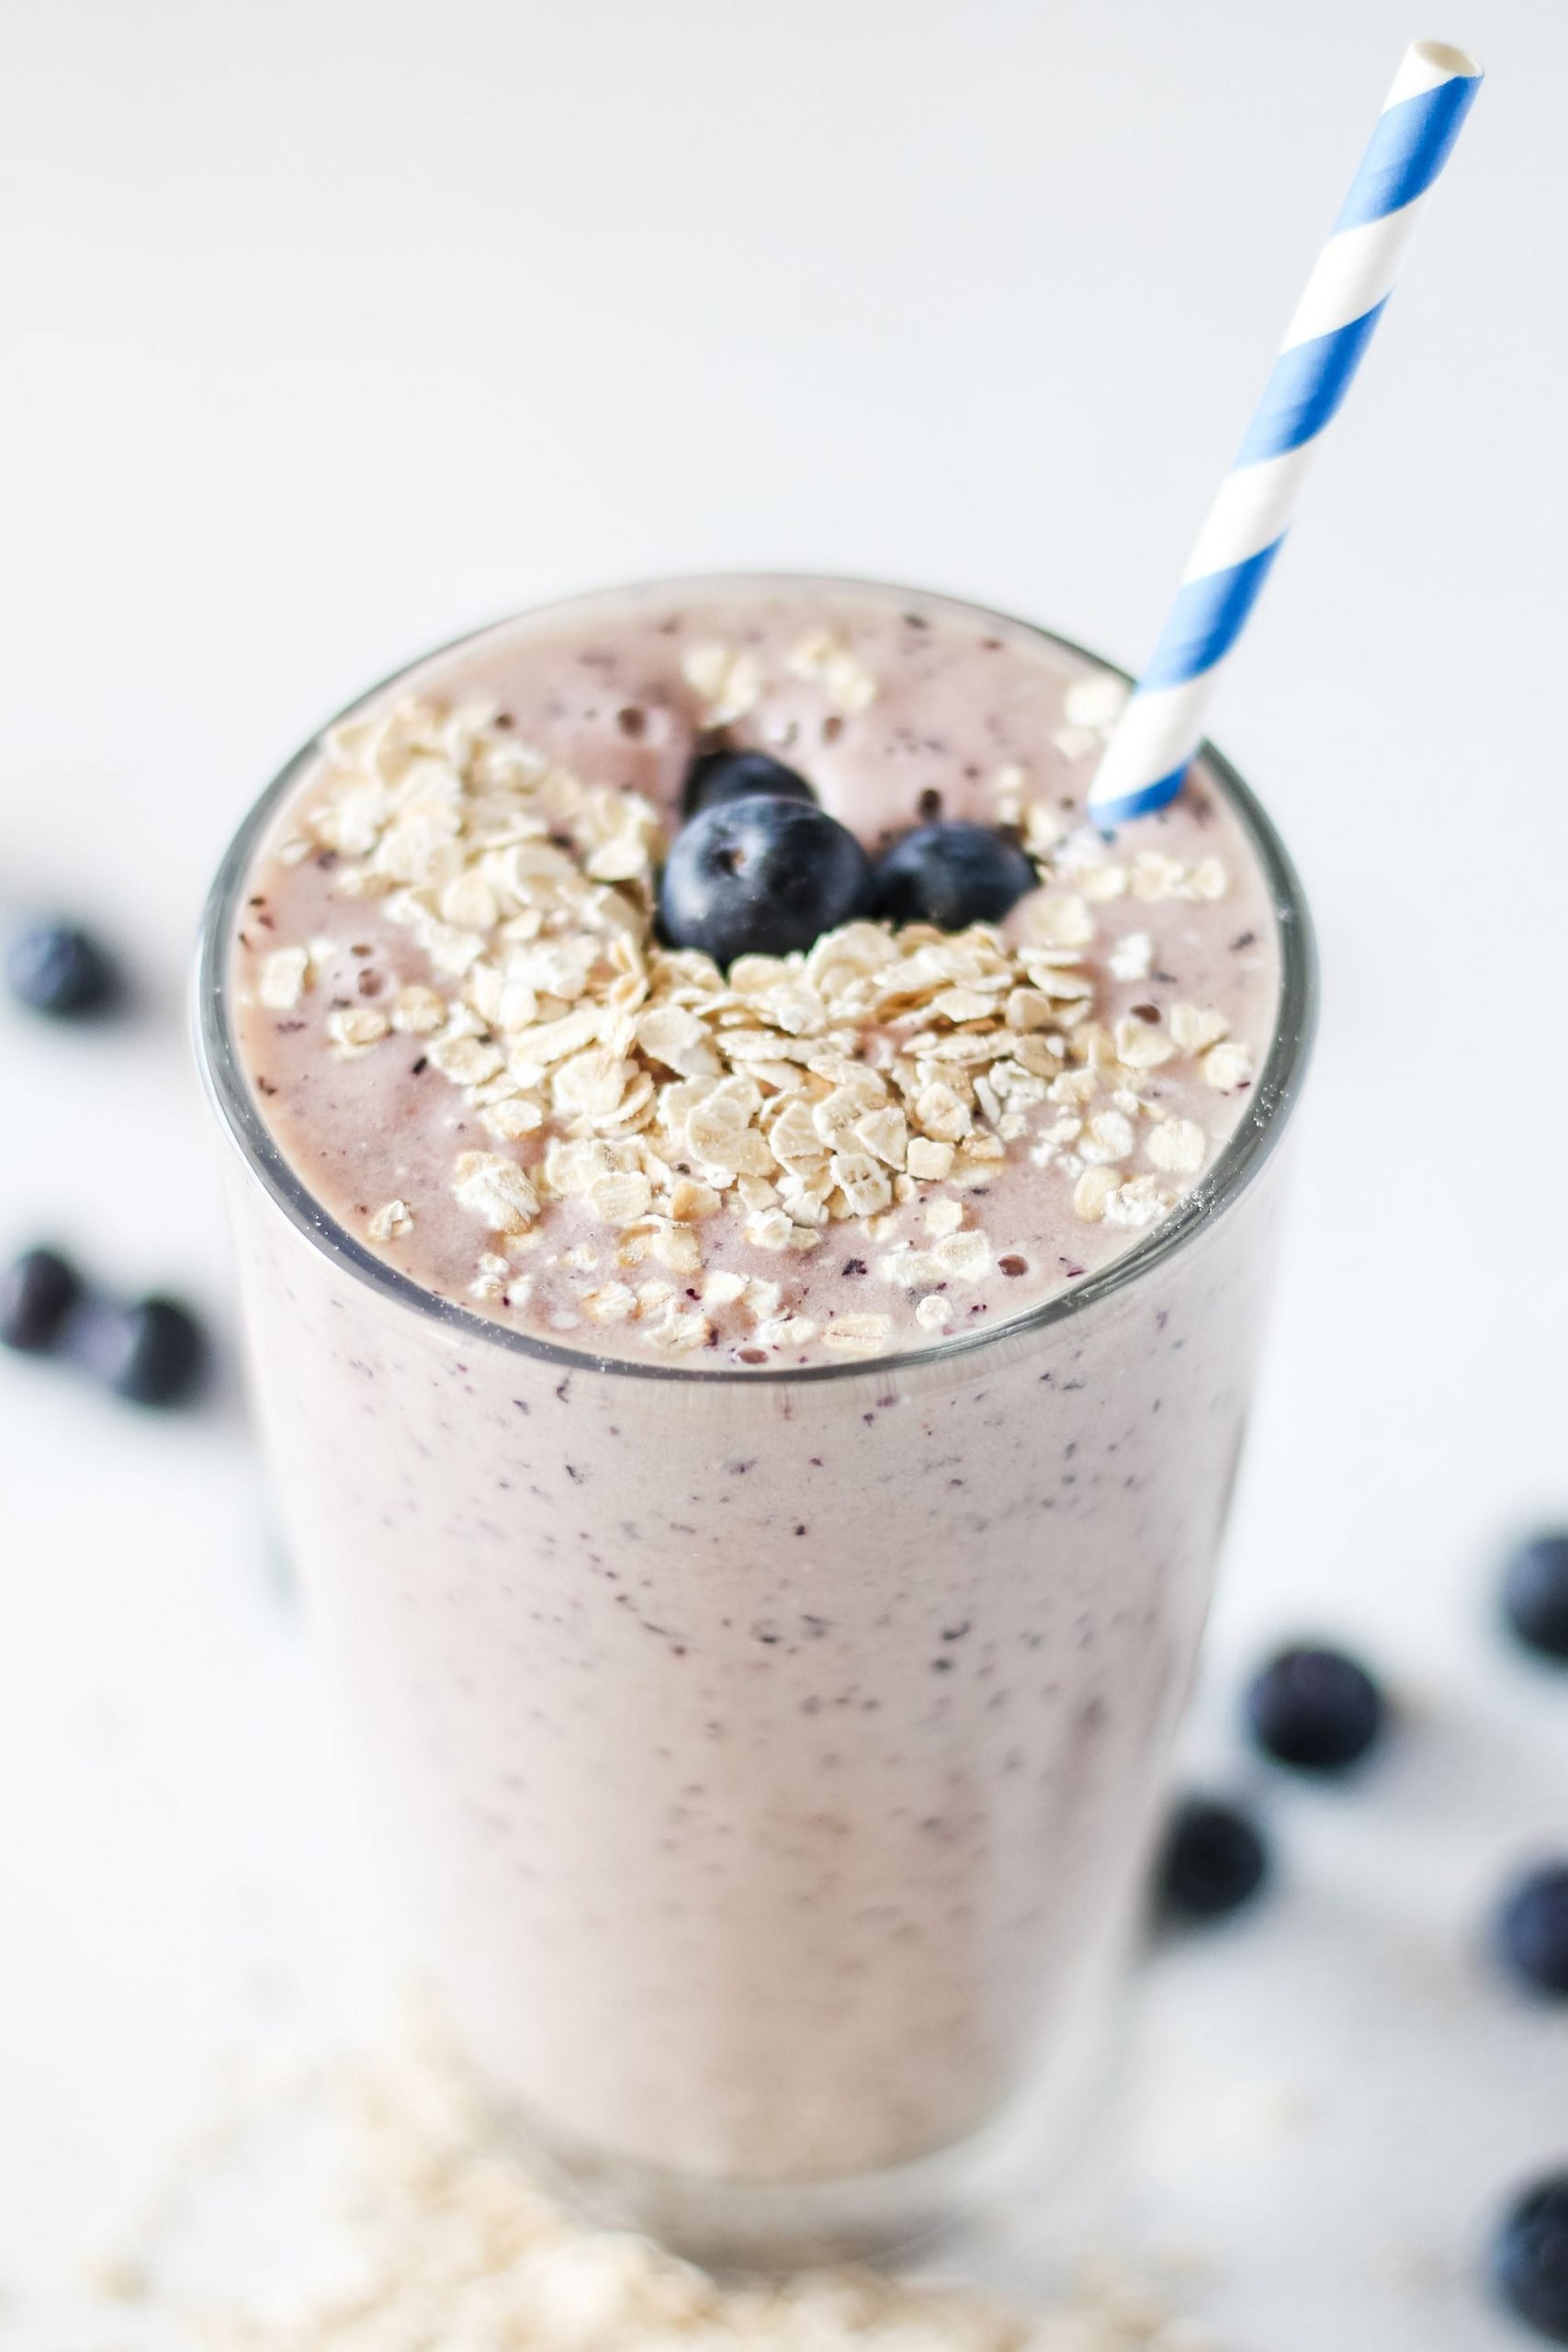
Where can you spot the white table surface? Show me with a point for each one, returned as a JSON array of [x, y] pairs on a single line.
[[331, 329]]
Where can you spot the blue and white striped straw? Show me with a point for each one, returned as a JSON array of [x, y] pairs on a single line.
[[1348, 289]]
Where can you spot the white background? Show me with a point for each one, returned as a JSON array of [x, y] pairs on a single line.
[[331, 328]]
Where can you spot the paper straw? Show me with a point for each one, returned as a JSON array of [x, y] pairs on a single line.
[[1163, 723]]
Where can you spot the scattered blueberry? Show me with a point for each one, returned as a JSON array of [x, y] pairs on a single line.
[[37, 1293], [1535, 1594], [718, 776], [59, 968], [760, 876], [953, 875], [1529, 2257], [152, 1352], [1533, 1930], [1214, 1859], [1315, 1708]]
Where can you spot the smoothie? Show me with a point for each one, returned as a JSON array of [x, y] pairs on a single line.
[[757, 1434], [446, 977]]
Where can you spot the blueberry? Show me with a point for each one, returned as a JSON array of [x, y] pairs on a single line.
[[953, 875], [1214, 1859], [37, 1293], [1533, 1930], [718, 776], [1315, 1708], [59, 968], [151, 1353], [1529, 2257], [760, 876], [1535, 1594]]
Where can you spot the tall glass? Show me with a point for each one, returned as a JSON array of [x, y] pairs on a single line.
[[772, 1858]]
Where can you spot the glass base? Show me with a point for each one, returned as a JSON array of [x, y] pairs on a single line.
[[739, 2225]]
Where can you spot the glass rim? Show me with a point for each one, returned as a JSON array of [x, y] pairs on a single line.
[[1274, 1093]]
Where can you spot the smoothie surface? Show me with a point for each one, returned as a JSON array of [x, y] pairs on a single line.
[[464, 1034]]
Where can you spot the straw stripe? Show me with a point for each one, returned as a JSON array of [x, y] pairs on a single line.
[[1147, 797], [1354, 273], [1251, 511], [1327, 338], [1406, 152], [1165, 714], [1206, 619], [1304, 391]]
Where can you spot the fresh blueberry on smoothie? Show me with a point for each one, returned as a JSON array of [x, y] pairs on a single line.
[[953, 875], [734, 775], [757, 874]]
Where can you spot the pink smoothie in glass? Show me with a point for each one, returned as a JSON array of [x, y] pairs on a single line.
[[757, 1438]]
